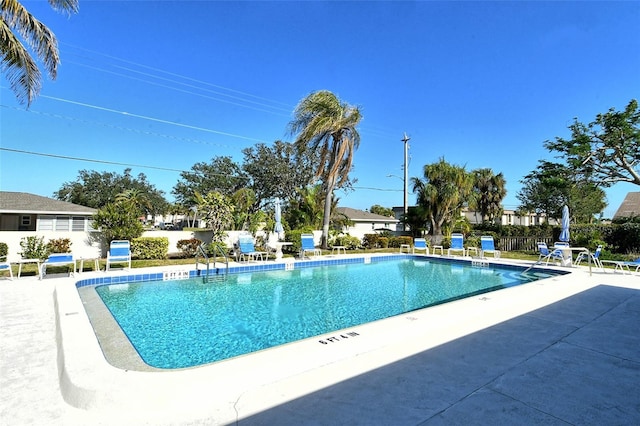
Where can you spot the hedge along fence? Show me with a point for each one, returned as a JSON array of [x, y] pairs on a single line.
[[618, 238], [145, 248]]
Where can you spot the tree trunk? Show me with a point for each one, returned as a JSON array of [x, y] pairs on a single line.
[[324, 241]]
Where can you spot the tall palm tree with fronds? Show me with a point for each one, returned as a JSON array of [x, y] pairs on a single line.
[[489, 190], [442, 194], [17, 25], [327, 126]]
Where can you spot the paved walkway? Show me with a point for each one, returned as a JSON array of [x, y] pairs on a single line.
[[576, 361]]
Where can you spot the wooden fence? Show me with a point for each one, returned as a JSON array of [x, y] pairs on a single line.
[[521, 243]]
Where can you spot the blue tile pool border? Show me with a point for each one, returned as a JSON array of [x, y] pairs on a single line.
[[298, 264]]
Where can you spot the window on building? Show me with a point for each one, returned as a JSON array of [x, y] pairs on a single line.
[[62, 223], [77, 223], [45, 223], [25, 220]]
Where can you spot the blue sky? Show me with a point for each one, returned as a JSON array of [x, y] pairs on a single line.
[[168, 84]]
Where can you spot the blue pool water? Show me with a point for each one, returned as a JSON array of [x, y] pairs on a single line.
[[174, 324]]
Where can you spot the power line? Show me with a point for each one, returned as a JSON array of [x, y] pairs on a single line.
[[167, 169], [113, 126], [89, 160], [157, 120]]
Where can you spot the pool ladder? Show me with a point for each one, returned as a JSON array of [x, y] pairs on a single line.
[[214, 275]]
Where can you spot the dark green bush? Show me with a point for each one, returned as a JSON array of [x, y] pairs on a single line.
[[383, 242], [625, 238], [150, 248], [370, 241], [294, 237], [4, 249]]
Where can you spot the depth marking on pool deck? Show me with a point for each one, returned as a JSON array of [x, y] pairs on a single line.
[[339, 338]]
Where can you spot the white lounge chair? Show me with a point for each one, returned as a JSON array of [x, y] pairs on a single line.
[[119, 252], [420, 244], [487, 245], [457, 244], [595, 257], [308, 245], [6, 266], [57, 259]]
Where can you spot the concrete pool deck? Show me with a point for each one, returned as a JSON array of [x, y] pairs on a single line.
[[560, 351]]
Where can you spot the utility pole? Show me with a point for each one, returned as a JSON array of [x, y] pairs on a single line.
[[406, 139]]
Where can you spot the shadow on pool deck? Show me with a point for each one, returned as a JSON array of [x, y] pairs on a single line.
[[576, 361]]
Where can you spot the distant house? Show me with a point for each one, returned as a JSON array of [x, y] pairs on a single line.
[[23, 214], [21, 211], [630, 206], [365, 222]]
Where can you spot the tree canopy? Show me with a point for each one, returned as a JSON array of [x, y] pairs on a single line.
[[96, 190], [222, 175], [552, 185], [276, 171], [605, 151]]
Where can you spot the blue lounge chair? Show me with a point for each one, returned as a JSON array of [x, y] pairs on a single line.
[[633, 264], [624, 266], [307, 244], [548, 255], [457, 244], [420, 244], [119, 252], [487, 245], [57, 259], [248, 251], [6, 266]]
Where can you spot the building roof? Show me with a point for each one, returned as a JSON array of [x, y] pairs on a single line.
[[630, 206], [25, 203], [364, 216]]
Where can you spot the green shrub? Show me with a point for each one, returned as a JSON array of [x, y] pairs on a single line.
[[189, 247], [625, 238], [33, 248], [150, 248], [383, 242], [472, 241], [4, 249], [214, 248], [370, 241], [59, 245], [294, 237], [347, 241], [404, 239]]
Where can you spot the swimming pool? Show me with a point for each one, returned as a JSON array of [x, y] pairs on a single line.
[[184, 323]]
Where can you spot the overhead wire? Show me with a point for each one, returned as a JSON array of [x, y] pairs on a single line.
[[167, 169]]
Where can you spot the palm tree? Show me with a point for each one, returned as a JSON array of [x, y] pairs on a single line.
[[21, 70], [442, 194], [327, 126], [489, 191]]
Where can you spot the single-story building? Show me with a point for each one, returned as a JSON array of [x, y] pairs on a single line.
[[364, 222], [21, 211], [23, 214]]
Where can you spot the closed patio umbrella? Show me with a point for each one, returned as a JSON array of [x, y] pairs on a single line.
[[564, 233], [278, 229]]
